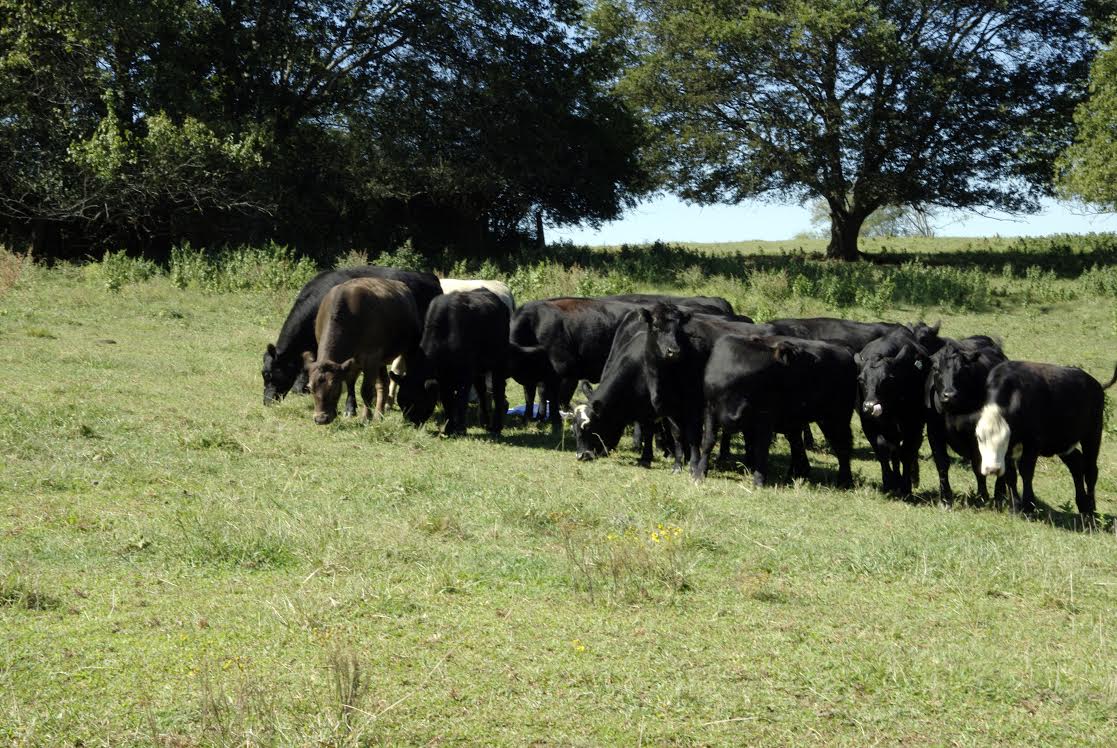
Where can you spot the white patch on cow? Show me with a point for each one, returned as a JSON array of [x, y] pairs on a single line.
[[582, 416], [993, 435], [919, 365], [454, 285], [877, 409]]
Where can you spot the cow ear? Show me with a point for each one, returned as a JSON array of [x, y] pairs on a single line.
[[431, 385], [936, 327], [308, 359], [905, 354], [347, 365], [271, 349], [645, 315], [586, 389], [929, 399], [785, 352], [858, 360], [684, 316]]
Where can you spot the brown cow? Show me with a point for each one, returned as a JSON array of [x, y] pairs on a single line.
[[362, 324]]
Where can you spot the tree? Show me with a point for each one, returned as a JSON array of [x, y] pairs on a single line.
[[945, 103], [886, 221], [323, 123], [1087, 170]]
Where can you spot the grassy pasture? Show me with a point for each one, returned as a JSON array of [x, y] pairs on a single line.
[[181, 566]]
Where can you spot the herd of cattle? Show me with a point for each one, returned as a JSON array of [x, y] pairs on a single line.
[[689, 369]]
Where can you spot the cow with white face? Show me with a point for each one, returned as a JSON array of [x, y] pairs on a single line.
[[1033, 410]]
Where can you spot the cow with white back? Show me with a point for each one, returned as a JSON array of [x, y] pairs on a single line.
[[465, 336], [1035, 410]]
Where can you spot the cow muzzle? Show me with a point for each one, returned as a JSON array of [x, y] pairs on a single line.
[[585, 455], [997, 470], [872, 408], [324, 418]]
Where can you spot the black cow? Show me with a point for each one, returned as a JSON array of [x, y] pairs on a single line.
[[678, 346], [955, 394], [766, 385], [577, 334], [891, 382], [465, 336], [1034, 410], [621, 398], [849, 333], [283, 362]]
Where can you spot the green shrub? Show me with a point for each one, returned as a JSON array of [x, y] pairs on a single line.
[[117, 269], [404, 257]]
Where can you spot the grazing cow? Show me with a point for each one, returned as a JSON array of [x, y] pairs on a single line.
[[849, 333], [621, 398], [464, 337], [1034, 410], [891, 384], [361, 325], [955, 394], [678, 346], [454, 285], [283, 362], [765, 385], [577, 334]]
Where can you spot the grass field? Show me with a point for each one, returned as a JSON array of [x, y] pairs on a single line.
[[181, 566]]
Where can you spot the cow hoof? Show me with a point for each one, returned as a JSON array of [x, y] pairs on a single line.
[[644, 463]]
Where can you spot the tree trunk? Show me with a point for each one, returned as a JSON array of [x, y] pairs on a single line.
[[844, 230], [540, 240]]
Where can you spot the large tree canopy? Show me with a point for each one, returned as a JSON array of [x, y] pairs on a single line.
[[940, 103], [325, 123], [1088, 168]]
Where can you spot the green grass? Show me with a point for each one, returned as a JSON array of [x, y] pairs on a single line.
[[181, 566]]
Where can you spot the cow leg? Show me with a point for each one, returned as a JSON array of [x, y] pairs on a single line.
[[1082, 498], [529, 403], [1090, 448], [882, 452], [482, 400], [645, 429], [381, 389], [680, 446], [808, 438], [368, 385], [725, 451], [761, 444], [351, 397], [699, 467], [800, 466], [839, 436], [1027, 467], [500, 402], [936, 437]]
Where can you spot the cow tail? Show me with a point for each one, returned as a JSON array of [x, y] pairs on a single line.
[[1111, 381]]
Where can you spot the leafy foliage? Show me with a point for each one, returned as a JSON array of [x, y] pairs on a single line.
[[952, 103]]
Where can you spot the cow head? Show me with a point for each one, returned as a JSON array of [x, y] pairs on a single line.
[[928, 336], [665, 334], [885, 381], [993, 436], [956, 383], [595, 432], [418, 390], [280, 375], [326, 380]]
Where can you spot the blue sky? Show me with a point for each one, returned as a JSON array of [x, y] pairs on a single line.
[[669, 219]]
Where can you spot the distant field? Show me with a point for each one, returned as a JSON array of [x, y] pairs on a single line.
[[181, 566]]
